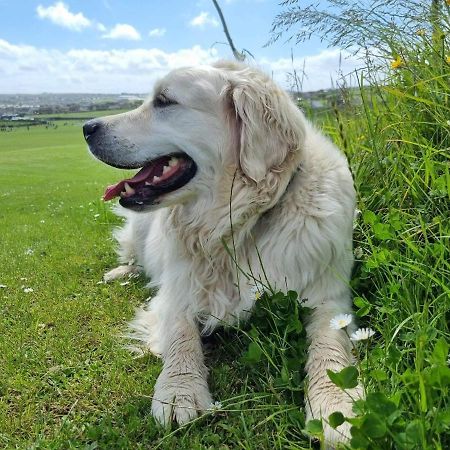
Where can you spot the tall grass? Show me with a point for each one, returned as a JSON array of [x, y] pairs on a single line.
[[396, 134]]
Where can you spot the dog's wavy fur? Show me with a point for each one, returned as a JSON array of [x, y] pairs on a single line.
[[279, 194]]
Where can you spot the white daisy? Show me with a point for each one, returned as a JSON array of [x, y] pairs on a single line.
[[340, 321], [215, 406], [362, 334], [27, 290]]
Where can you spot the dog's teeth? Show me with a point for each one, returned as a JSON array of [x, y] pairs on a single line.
[[166, 169], [128, 189], [147, 183], [155, 179], [173, 162]]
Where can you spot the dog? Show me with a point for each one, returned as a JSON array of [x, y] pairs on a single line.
[[229, 164]]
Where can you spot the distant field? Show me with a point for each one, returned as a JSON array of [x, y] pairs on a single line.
[[56, 118], [80, 115]]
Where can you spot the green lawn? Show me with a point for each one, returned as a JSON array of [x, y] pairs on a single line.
[[61, 359], [65, 380]]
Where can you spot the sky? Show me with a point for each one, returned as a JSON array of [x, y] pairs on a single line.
[[114, 46]]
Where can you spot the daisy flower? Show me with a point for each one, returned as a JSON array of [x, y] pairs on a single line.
[[215, 406], [362, 334], [340, 321]]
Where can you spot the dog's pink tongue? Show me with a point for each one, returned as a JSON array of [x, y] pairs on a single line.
[[115, 189]]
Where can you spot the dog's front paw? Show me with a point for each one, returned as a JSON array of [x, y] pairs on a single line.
[[322, 403], [180, 397]]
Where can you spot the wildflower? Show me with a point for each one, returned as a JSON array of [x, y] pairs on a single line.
[[447, 59], [215, 406], [256, 292], [29, 251], [27, 290], [362, 334], [340, 321], [359, 252], [3, 286], [421, 32], [397, 63]]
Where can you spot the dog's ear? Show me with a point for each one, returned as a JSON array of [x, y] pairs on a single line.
[[266, 125]]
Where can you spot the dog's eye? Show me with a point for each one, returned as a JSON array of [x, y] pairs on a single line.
[[160, 101]]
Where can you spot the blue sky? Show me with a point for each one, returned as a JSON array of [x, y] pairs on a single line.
[[124, 46]]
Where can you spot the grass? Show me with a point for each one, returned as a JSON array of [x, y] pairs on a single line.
[[65, 380]]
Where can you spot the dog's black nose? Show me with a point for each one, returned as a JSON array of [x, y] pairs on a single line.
[[90, 128]]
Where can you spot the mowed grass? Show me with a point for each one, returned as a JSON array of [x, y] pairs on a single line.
[[66, 381], [60, 358]]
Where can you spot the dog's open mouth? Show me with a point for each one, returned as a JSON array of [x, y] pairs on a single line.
[[160, 176]]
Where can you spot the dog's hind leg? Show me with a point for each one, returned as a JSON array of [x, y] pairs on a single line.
[[121, 272]]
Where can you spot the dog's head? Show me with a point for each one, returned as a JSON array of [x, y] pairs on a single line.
[[199, 124]]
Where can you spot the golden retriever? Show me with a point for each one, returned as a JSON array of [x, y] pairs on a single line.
[[225, 156]]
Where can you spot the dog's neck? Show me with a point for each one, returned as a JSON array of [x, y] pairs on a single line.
[[230, 216]]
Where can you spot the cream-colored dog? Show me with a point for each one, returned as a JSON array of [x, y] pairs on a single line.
[[226, 156]]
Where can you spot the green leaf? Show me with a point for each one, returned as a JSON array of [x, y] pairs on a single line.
[[394, 356], [358, 439], [370, 217], [379, 375], [443, 420], [336, 419], [363, 305], [415, 431], [284, 374], [373, 426], [378, 403], [347, 378], [254, 353], [440, 351], [314, 427], [382, 231], [437, 376]]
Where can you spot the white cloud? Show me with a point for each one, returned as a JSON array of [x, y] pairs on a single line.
[[157, 32], [84, 70], [28, 69], [203, 19], [101, 27], [60, 15], [123, 31]]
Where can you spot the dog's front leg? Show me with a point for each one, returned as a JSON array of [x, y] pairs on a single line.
[[181, 391], [329, 350]]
